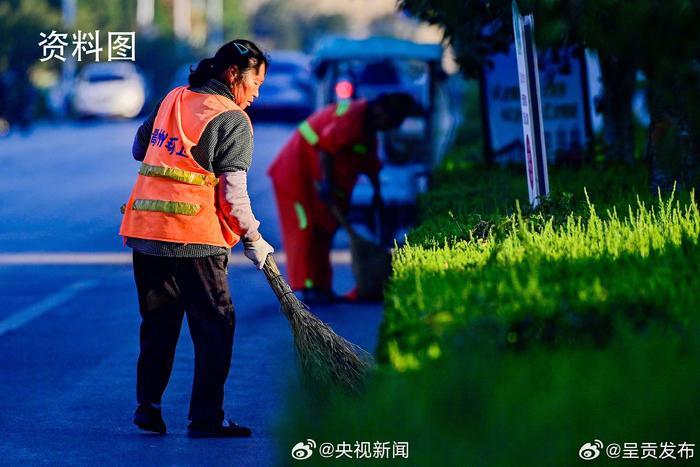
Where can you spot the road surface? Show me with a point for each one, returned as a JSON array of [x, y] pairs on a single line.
[[69, 324]]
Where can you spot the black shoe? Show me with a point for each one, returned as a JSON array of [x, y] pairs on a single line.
[[226, 429], [149, 418]]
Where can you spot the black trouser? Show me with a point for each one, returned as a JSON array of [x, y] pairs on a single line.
[[167, 288]]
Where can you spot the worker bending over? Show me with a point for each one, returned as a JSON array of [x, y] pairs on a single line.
[[317, 168]]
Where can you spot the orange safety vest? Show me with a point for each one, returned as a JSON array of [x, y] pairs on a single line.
[[175, 199]]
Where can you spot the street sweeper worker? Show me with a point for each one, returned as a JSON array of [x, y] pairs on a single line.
[[318, 167], [189, 206]]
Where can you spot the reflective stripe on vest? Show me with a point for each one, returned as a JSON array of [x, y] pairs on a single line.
[[170, 207], [175, 199], [360, 149], [180, 175], [342, 107], [301, 215], [308, 133]]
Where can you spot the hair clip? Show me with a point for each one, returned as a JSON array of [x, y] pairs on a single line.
[[241, 48]]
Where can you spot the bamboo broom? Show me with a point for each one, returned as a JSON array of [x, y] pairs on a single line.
[[371, 263], [324, 356]]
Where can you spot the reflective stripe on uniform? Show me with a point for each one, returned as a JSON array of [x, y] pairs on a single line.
[[308, 133], [360, 149], [171, 207], [191, 178], [342, 107], [301, 215]]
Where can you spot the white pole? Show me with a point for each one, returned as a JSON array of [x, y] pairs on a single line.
[[182, 13], [536, 96], [69, 8], [215, 25], [531, 105], [145, 12]]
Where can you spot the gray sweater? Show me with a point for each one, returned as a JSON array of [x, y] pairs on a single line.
[[225, 146]]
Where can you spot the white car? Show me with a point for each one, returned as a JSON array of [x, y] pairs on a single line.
[[109, 90]]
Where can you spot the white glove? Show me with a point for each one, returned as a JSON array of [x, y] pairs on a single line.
[[257, 251]]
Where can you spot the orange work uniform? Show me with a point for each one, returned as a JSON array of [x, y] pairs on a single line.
[[308, 226], [174, 198]]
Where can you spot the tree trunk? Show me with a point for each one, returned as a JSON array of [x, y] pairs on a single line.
[[619, 79], [672, 144]]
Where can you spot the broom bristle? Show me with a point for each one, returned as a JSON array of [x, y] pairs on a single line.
[[326, 355], [323, 355]]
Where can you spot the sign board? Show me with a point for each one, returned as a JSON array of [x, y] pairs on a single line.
[[566, 121], [566, 116], [530, 106], [566, 107]]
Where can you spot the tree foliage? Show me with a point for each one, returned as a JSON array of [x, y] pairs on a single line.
[[476, 29], [235, 24], [656, 37], [280, 25], [20, 25], [106, 15]]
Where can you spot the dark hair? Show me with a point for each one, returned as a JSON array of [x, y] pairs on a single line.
[[397, 105], [240, 52]]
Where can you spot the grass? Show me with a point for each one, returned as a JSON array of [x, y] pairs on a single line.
[[545, 282], [512, 335], [489, 408]]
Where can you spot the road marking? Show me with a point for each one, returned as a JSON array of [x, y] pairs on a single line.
[[22, 317], [28, 259], [64, 258]]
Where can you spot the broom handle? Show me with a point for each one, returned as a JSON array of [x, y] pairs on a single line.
[[343, 221], [275, 278]]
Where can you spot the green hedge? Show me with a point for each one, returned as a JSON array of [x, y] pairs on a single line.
[[513, 336], [480, 407], [553, 284], [465, 195]]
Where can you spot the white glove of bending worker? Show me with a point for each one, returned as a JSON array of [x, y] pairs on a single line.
[[257, 251]]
